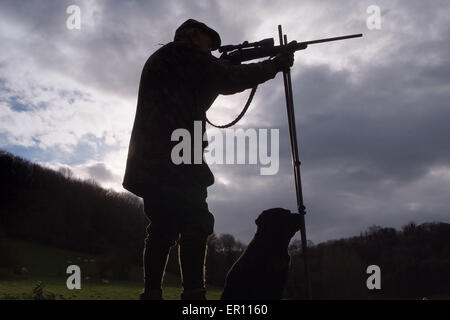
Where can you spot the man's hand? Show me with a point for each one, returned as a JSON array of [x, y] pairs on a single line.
[[284, 61]]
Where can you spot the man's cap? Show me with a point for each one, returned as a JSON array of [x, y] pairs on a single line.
[[191, 23]]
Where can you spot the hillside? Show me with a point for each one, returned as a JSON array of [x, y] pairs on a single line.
[[42, 205], [39, 206]]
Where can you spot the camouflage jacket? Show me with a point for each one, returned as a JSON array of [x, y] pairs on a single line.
[[178, 84]]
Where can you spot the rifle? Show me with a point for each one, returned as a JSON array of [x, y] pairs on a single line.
[[265, 48]]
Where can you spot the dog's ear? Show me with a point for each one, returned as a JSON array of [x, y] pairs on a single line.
[[262, 217], [258, 220]]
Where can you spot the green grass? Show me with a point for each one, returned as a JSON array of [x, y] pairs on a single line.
[[48, 265], [17, 288]]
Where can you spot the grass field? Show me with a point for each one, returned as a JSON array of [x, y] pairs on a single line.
[[47, 265]]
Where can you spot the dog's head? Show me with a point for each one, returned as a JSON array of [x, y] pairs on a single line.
[[278, 222]]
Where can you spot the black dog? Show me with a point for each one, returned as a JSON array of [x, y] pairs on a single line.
[[261, 271]]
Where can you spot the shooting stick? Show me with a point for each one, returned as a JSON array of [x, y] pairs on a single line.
[[296, 163]]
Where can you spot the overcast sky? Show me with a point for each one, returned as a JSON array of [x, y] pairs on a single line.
[[372, 114]]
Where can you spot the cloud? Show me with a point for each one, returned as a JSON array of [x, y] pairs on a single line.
[[100, 172], [371, 113]]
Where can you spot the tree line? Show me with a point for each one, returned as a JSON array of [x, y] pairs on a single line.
[[414, 263]]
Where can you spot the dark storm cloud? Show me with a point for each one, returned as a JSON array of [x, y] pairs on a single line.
[[399, 134]]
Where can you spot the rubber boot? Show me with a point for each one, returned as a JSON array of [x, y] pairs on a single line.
[[155, 261], [192, 253]]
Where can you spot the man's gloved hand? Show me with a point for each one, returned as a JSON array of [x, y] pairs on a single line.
[[284, 61]]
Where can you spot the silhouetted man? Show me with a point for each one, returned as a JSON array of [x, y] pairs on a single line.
[[178, 84]]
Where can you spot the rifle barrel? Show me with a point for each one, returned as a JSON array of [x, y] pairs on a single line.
[[333, 39]]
